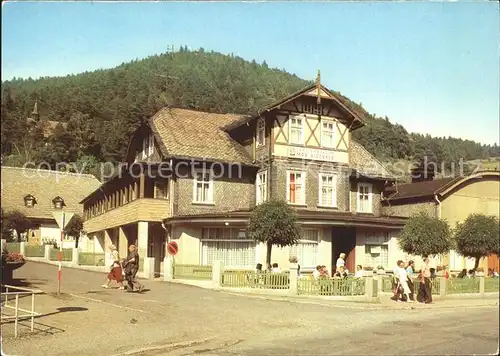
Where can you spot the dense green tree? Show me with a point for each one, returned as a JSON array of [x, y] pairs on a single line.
[[74, 228], [5, 230], [425, 235], [102, 108], [87, 165], [18, 222], [274, 223], [477, 237]]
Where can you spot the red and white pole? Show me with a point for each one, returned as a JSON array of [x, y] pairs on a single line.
[[60, 258]]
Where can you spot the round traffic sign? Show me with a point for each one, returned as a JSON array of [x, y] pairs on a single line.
[[172, 248]]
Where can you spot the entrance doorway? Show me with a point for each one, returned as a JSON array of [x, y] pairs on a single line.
[[344, 241]]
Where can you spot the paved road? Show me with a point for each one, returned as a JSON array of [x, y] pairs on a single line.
[[97, 321]]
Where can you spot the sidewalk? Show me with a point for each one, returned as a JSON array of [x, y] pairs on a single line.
[[383, 300]]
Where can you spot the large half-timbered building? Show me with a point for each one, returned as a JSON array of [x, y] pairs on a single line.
[[195, 177]]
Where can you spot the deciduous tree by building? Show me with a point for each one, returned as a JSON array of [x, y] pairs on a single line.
[[274, 223], [477, 237], [425, 235], [74, 228], [18, 222]]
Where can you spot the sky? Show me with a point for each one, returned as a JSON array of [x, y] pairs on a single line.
[[432, 67]]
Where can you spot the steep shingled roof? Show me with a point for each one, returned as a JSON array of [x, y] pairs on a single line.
[[365, 163], [44, 185], [185, 133]]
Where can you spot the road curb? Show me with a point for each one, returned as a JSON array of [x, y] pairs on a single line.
[[166, 346]]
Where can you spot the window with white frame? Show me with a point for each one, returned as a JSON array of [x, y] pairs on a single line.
[[261, 184], [230, 245], [261, 132], [306, 250], [203, 187], [327, 134], [327, 190], [297, 130], [295, 187], [364, 202], [377, 255]]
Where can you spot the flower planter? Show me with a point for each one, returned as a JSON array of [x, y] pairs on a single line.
[[8, 270]]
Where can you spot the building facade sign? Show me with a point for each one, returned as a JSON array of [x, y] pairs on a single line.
[[311, 154]]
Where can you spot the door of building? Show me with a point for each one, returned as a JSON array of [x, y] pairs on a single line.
[[344, 241]]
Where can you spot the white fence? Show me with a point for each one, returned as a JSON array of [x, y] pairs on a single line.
[[13, 293]]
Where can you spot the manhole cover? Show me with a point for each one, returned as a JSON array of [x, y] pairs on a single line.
[[407, 323]]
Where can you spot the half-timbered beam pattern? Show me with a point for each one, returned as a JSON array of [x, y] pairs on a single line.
[[343, 131], [280, 124], [313, 131]]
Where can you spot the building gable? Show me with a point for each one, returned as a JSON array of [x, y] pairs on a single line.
[[144, 146]]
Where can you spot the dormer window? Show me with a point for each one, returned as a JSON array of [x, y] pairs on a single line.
[[29, 201], [58, 202]]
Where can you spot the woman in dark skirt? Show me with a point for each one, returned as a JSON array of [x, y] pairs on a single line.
[[116, 270], [410, 269]]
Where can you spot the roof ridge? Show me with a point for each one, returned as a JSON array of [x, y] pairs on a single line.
[[202, 111], [87, 175]]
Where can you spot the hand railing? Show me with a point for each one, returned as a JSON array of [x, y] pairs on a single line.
[[17, 292]]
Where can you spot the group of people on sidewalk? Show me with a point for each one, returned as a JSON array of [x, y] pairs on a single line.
[[403, 286], [128, 267]]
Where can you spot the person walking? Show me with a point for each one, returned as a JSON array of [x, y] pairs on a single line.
[[403, 282], [410, 269], [131, 265], [425, 282], [116, 273], [395, 282]]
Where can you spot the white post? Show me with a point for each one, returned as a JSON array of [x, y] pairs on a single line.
[[22, 248], [369, 290], [294, 279], [481, 285], [74, 257], [217, 271], [47, 252], [168, 269], [149, 267], [4, 243]]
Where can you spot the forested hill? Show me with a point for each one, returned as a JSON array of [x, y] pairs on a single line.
[[102, 108]]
